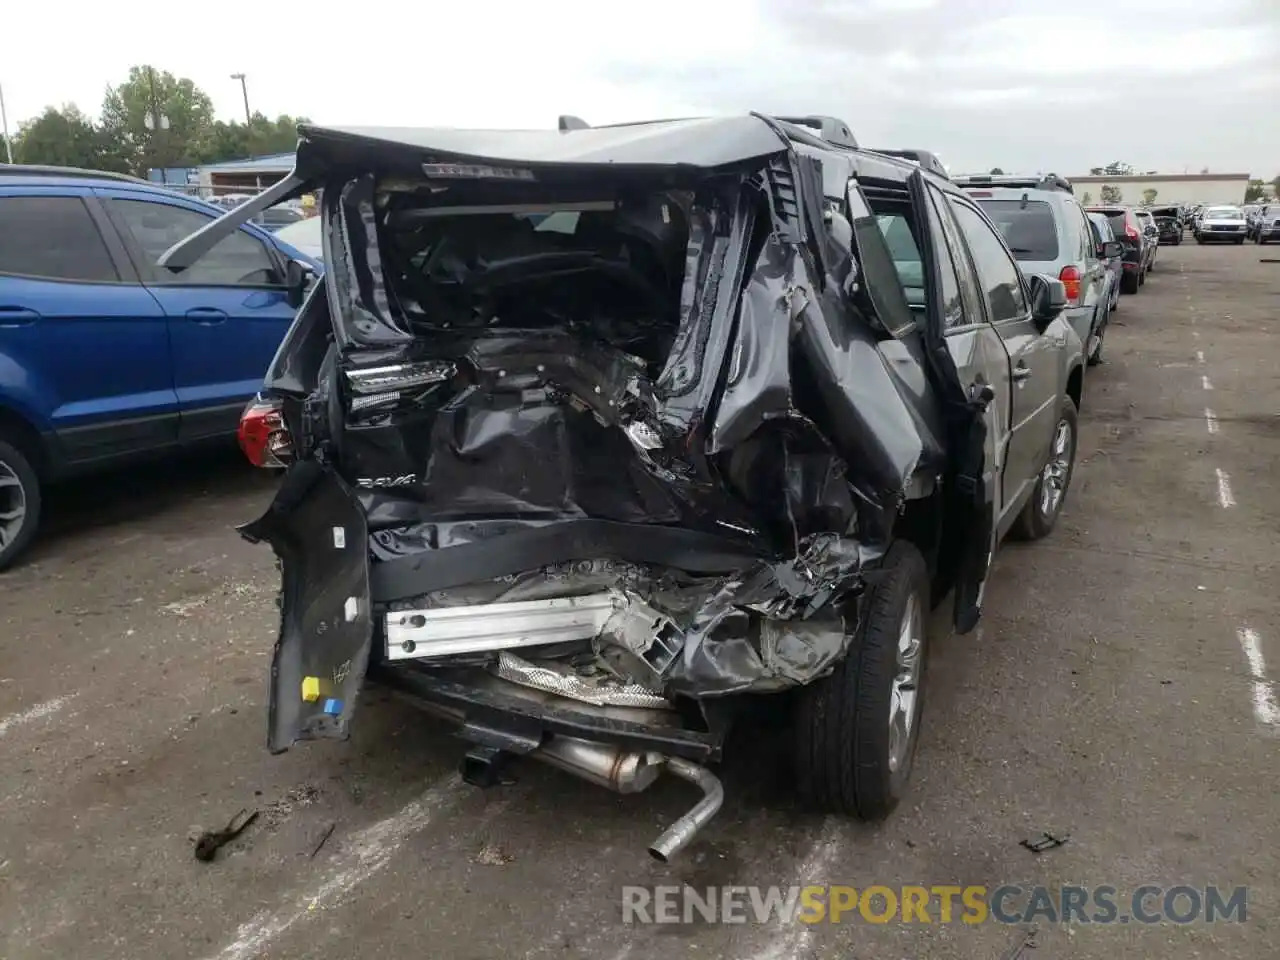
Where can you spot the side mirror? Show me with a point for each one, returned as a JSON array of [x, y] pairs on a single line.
[[297, 275], [1048, 299], [1111, 249]]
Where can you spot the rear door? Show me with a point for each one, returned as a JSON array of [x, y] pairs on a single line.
[[981, 364], [84, 348], [1034, 370], [227, 313]]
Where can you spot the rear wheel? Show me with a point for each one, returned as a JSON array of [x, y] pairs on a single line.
[[1129, 283], [856, 729], [19, 502], [1041, 512], [1239, 241]]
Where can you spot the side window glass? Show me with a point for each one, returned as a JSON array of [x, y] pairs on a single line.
[[954, 259], [953, 309], [52, 238], [236, 261], [1077, 224], [1001, 281], [906, 255]]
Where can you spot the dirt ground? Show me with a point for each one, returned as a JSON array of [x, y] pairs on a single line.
[[1109, 694]]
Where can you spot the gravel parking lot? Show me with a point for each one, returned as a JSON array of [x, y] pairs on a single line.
[[1110, 694]]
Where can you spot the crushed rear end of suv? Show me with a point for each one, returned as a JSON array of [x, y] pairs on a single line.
[[591, 434]]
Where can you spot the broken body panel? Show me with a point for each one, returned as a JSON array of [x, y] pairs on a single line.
[[637, 465]]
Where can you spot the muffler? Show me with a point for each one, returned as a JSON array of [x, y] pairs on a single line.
[[625, 771]]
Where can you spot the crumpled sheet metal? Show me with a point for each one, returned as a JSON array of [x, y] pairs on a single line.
[[808, 441]]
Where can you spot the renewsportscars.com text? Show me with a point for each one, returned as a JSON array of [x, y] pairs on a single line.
[[940, 903]]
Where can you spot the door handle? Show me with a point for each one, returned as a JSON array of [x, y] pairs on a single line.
[[206, 315], [17, 316], [1021, 372]]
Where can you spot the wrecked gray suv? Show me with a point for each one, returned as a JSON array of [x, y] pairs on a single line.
[[594, 435]]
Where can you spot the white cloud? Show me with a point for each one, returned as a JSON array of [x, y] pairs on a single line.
[[1140, 77]]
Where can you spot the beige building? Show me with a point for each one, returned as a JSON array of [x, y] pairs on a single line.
[[1169, 187]]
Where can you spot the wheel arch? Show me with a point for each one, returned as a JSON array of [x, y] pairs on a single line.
[[1075, 384], [20, 431]]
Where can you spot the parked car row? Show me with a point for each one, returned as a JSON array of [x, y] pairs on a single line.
[[594, 438], [1263, 222], [104, 356], [1224, 223], [693, 494]]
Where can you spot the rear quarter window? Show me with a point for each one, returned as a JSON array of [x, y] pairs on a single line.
[[52, 238], [1028, 228]]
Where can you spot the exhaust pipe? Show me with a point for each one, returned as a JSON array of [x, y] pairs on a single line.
[[678, 836], [629, 772], [601, 763]]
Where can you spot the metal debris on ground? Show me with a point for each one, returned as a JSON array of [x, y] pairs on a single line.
[[1026, 941], [1046, 841], [209, 842], [324, 838]]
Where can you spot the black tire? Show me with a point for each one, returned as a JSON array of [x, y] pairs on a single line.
[[15, 467], [1142, 277], [1035, 521], [1200, 240], [1129, 283], [842, 736], [1239, 241]]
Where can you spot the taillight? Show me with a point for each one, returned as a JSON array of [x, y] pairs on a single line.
[[263, 435], [1131, 232], [1070, 278]]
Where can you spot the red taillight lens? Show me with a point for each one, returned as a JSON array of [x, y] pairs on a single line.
[[1070, 278], [263, 435], [1131, 231]]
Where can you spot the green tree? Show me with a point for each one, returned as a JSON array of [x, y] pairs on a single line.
[[1253, 191], [157, 119], [1096, 171], [233, 141], [997, 172], [1111, 194], [1149, 195], [62, 137], [65, 137], [1087, 198]]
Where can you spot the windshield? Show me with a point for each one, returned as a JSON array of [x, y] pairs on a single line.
[[1028, 227], [1224, 213]]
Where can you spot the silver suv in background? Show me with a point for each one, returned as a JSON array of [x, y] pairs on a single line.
[[1048, 232]]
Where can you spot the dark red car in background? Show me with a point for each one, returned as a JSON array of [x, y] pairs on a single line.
[[1129, 232]]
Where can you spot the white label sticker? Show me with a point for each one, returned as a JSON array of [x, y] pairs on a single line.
[[340, 538], [351, 608]]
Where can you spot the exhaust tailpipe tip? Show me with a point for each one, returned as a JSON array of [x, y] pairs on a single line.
[[681, 833]]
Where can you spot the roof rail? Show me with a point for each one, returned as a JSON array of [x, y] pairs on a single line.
[[924, 158], [831, 129], [1049, 181], [41, 170]]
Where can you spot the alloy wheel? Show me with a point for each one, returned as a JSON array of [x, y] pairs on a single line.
[[904, 695], [13, 504], [1057, 471]]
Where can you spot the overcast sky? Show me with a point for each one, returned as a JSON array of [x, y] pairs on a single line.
[[1026, 85]]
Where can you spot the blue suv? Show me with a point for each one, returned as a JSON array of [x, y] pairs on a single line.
[[105, 357]]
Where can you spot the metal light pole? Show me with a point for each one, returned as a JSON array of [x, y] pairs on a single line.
[[4, 125], [244, 91]]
